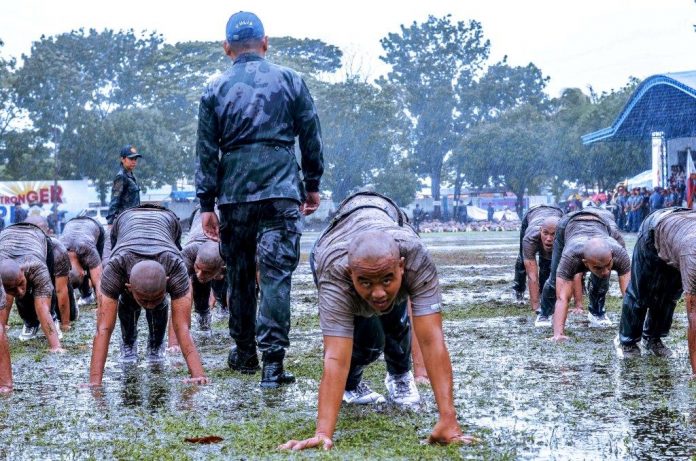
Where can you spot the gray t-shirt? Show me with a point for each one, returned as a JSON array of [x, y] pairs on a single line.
[[81, 236], [61, 260], [145, 234], [531, 242], [196, 237], [339, 303], [27, 246], [675, 241], [578, 231]]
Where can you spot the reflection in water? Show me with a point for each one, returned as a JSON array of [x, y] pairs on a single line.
[[145, 387]]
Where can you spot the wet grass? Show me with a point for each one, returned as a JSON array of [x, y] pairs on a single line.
[[523, 396]]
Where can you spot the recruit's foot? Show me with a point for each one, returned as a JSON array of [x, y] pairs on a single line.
[[88, 300], [156, 354], [243, 361], [599, 321], [626, 351], [28, 332], [273, 375], [402, 389], [129, 353], [518, 296], [204, 321], [542, 321], [656, 347], [363, 395]]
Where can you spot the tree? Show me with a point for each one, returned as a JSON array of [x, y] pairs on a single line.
[[432, 64], [362, 132]]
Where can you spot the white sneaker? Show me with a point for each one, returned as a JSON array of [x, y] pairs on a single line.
[[402, 388], [28, 333], [542, 321], [88, 300], [601, 321], [363, 395]]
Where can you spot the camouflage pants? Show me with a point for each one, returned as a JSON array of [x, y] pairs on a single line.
[[652, 294], [269, 232]]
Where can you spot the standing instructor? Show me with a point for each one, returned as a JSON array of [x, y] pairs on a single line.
[[247, 124]]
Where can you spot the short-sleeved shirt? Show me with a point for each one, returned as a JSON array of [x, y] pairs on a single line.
[[675, 241], [339, 302], [578, 231], [145, 234], [27, 245], [531, 242], [81, 236], [196, 238], [61, 260]]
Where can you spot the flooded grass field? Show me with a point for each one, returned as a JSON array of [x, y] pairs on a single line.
[[523, 396]]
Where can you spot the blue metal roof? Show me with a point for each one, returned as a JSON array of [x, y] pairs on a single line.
[[664, 103]]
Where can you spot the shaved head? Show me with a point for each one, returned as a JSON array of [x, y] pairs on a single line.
[[597, 249], [10, 272], [209, 256], [372, 246], [148, 283], [38, 221], [550, 223]]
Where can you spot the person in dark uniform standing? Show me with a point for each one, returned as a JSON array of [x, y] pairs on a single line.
[[247, 124], [125, 192]]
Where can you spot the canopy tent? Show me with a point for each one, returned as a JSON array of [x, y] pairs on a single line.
[[643, 179], [662, 103], [475, 213], [505, 215]]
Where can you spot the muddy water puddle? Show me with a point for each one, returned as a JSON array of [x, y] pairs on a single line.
[[525, 397]]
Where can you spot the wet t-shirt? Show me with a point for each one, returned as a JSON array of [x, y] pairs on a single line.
[[577, 232], [675, 241], [195, 239], [106, 254], [339, 303], [61, 260], [81, 236], [145, 234], [531, 242], [27, 246]]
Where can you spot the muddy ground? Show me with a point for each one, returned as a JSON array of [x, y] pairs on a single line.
[[524, 397]]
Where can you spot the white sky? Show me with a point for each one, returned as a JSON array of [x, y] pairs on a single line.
[[577, 43]]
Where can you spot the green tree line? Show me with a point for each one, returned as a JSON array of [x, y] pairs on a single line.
[[442, 112]]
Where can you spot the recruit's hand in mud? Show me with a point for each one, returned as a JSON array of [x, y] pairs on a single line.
[[197, 380], [65, 327], [319, 440], [558, 338], [445, 433], [211, 225], [5, 389], [174, 350], [577, 310], [311, 204], [57, 350]]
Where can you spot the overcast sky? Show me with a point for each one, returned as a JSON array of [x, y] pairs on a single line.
[[584, 42]]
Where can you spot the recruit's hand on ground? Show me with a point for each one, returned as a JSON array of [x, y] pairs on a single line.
[[57, 350], [174, 350], [311, 203], [197, 380], [211, 225], [558, 338], [5, 389], [445, 433], [65, 327], [319, 440], [577, 310]]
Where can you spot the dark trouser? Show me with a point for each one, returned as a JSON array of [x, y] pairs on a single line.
[[597, 288], [27, 310], [85, 288], [129, 314], [201, 296], [220, 291], [270, 228], [652, 294]]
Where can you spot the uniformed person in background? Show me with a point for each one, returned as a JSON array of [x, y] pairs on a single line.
[[247, 124], [125, 192]]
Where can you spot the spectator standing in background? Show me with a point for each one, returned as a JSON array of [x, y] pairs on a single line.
[[491, 210]]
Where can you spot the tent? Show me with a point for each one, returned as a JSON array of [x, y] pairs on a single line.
[[643, 179], [505, 215], [476, 214]]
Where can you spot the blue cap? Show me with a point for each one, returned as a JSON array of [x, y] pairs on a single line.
[[243, 26], [129, 151]]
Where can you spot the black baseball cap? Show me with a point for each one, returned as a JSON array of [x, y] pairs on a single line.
[[129, 151]]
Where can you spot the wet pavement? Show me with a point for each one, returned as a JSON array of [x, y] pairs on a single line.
[[523, 396]]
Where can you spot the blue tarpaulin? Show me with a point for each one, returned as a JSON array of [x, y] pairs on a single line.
[[665, 103]]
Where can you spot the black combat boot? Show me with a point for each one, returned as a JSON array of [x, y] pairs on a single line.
[[243, 360], [273, 374]]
